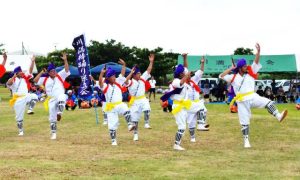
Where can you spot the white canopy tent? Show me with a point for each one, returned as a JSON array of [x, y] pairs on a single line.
[[18, 60]]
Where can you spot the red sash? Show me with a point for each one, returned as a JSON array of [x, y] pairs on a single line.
[[147, 84], [26, 78], [65, 83], [2, 70], [250, 72], [122, 88], [197, 88]]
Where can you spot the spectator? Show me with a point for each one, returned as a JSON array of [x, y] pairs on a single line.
[[71, 101], [260, 91], [281, 98], [221, 91], [293, 93], [269, 93], [273, 85], [152, 89], [206, 92]]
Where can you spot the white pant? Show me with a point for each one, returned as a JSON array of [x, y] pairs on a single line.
[[181, 118], [20, 105], [192, 113], [244, 107], [53, 106], [138, 107], [113, 115]]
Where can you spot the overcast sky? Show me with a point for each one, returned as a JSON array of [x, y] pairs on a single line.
[[214, 27]]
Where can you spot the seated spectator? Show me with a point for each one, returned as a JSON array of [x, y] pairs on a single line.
[[260, 91], [84, 102], [71, 101], [95, 101], [269, 94], [293, 94], [281, 98]]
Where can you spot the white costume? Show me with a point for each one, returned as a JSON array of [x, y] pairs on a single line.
[[197, 109], [244, 85], [56, 95], [115, 107], [138, 102], [21, 98]]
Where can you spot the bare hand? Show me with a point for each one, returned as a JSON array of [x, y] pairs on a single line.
[[91, 78], [64, 56], [4, 56], [121, 61], [103, 71], [184, 55], [151, 57], [132, 70], [257, 46], [203, 59], [33, 58], [44, 70]]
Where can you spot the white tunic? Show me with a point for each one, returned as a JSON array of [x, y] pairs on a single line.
[[114, 93], [183, 95], [54, 87], [19, 86], [248, 84], [137, 88], [193, 94]]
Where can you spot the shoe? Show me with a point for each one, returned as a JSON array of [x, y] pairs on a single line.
[[178, 147], [21, 133], [201, 127], [193, 140], [206, 125], [246, 143], [135, 137], [104, 123], [30, 112], [53, 136], [147, 126], [114, 142], [282, 115], [131, 127], [58, 116]]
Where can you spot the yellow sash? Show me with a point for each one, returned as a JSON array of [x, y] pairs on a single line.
[[110, 106], [195, 101], [133, 98], [240, 97], [46, 103], [180, 105], [14, 99]]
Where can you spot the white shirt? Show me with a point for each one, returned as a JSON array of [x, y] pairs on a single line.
[[137, 88], [192, 93], [113, 92], [54, 87], [183, 94], [248, 84], [152, 83], [19, 86]]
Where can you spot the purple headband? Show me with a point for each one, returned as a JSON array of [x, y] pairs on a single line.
[[137, 70], [51, 66], [240, 64], [17, 69], [178, 70], [110, 72]]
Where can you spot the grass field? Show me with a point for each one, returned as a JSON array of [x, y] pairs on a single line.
[[83, 149]]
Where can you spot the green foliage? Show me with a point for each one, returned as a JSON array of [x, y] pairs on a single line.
[[243, 51], [110, 50]]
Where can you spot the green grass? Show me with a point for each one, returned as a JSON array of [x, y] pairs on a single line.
[[83, 149]]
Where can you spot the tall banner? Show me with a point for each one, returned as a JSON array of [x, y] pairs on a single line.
[[83, 64]]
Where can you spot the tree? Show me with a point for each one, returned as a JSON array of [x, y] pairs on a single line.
[[243, 51]]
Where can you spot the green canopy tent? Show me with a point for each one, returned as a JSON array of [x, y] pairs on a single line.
[[217, 64]]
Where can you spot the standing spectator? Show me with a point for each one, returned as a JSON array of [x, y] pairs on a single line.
[[273, 85], [206, 92], [152, 89], [293, 93], [221, 91]]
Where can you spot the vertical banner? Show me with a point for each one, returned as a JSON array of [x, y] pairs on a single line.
[[83, 65]]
